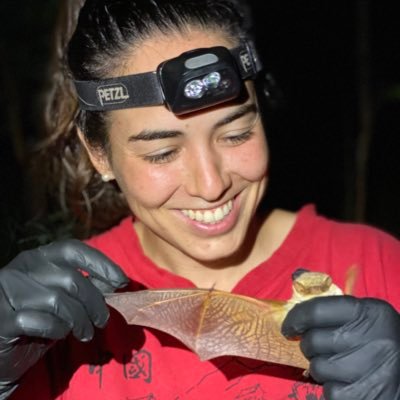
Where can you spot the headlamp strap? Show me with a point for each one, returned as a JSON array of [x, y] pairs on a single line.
[[247, 59], [144, 89], [116, 93]]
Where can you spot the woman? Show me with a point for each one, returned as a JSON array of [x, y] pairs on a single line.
[[169, 114]]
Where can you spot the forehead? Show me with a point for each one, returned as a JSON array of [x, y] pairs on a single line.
[[131, 121]]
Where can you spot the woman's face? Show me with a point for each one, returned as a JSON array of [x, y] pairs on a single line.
[[192, 182]]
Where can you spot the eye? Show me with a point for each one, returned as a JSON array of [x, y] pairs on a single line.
[[161, 158], [240, 130], [238, 138]]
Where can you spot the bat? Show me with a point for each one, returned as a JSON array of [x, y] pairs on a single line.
[[215, 323]]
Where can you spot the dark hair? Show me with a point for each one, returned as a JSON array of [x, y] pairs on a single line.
[[105, 31]]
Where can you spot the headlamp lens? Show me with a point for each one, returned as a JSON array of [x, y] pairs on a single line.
[[212, 80], [195, 89]]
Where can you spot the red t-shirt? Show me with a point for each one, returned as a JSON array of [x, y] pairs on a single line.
[[131, 363]]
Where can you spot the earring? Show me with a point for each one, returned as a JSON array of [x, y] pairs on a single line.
[[106, 178]]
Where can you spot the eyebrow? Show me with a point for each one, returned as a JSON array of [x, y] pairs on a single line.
[[148, 135], [239, 113]]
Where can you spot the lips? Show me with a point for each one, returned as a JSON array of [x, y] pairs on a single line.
[[210, 216]]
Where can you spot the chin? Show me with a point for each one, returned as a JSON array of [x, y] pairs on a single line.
[[216, 254]]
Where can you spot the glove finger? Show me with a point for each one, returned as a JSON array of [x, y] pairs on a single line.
[[317, 342], [76, 254], [40, 324], [320, 312], [51, 274], [55, 302], [77, 286], [348, 367], [21, 289]]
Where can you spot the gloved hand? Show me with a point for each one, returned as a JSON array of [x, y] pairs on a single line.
[[45, 294], [353, 346]]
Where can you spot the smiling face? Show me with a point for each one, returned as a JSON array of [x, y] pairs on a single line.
[[192, 182]]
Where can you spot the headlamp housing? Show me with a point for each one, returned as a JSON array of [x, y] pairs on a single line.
[[194, 80], [198, 79]]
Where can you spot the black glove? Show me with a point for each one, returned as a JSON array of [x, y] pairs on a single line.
[[45, 294], [353, 346]]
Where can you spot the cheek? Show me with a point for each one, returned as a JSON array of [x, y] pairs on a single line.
[[146, 186], [251, 160]]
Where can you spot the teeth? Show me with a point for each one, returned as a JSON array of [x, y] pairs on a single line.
[[208, 216], [198, 216]]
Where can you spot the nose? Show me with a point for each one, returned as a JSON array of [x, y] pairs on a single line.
[[206, 175]]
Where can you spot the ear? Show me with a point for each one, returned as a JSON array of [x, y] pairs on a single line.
[[98, 159]]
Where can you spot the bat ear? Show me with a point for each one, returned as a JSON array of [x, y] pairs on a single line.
[[299, 271]]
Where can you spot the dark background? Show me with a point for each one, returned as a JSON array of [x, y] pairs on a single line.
[[334, 137]]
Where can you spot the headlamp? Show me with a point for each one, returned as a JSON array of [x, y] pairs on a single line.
[[194, 80]]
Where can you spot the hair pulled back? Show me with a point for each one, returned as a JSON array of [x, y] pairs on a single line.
[[92, 41]]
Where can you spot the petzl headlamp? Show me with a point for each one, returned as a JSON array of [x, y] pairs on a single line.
[[194, 80]]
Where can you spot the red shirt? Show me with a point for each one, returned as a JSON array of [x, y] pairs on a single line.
[[131, 363]]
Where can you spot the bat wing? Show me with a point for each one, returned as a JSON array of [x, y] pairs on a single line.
[[214, 323]]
